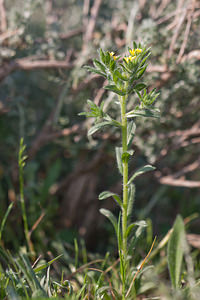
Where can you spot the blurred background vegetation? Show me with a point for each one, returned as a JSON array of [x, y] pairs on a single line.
[[43, 48]]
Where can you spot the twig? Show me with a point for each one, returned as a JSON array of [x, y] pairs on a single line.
[[170, 180], [189, 168], [35, 225], [92, 22], [3, 22], [169, 16], [187, 31], [7, 34], [86, 8], [28, 65], [192, 54], [179, 21], [160, 9]]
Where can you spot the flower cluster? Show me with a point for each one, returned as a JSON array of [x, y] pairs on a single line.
[[112, 54], [131, 57]]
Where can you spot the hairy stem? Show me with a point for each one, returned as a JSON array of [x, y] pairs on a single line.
[[125, 186]]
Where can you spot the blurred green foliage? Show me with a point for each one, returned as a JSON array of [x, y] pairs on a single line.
[[42, 103]]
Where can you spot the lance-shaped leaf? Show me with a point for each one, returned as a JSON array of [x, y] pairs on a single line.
[[107, 194], [140, 86], [130, 132], [45, 265], [140, 224], [93, 70], [114, 89], [102, 55], [175, 251], [99, 65], [141, 72], [144, 112], [120, 76], [100, 125], [118, 151], [97, 126], [131, 198], [140, 172], [111, 217]]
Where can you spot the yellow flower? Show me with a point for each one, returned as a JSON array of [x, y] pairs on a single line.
[[132, 52], [135, 51], [138, 51], [112, 54], [129, 58]]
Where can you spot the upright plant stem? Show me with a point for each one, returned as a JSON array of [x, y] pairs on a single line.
[[24, 216], [125, 186]]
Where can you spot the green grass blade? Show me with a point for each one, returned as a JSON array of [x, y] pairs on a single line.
[[5, 218], [46, 264]]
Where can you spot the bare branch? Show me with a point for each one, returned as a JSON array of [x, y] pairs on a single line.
[[3, 22], [187, 31], [92, 22], [28, 64], [86, 8], [178, 21], [170, 180], [7, 34]]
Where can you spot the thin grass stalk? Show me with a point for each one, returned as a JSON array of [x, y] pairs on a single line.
[[21, 190]]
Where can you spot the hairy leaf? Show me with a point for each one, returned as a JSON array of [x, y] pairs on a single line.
[[118, 151], [144, 112], [141, 171], [107, 194]]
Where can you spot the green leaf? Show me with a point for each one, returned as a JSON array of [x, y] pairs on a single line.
[[130, 132], [111, 217], [175, 251], [5, 218], [111, 121], [118, 151], [112, 65], [141, 171], [144, 59], [140, 86], [25, 267], [102, 55], [11, 293], [46, 264], [114, 89], [97, 126], [141, 224], [93, 70], [131, 198], [125, 69], [120, 76], [107, 194], [144, 112], [99, 65], [141, 72]]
